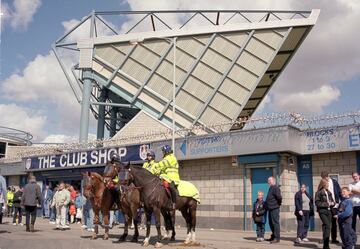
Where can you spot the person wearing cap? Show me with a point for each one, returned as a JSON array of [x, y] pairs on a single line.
[[150, 164], [169, 172], [31, 197]]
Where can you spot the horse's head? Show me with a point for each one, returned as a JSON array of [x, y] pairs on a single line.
[[91, 182], [114, 169], [87, 185]]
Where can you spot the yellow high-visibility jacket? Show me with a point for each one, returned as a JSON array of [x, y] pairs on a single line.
[[169, 169], [151, 167], [10, 198]]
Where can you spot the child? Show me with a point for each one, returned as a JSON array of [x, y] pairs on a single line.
[[345, 211], [78, 206], [259, 216]]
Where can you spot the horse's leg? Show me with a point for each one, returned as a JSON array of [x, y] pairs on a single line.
[[148, 225], [106, 214], [172, 218], [135, 217], [96, 223], [186, 214], [167, 221], [126, 226], [158, 243], [192, 212]]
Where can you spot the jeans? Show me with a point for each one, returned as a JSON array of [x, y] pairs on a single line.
[[61, 216], [333, 225], [1, 212], [46, 209], [52, 213], [89, 218], [274, 222], [30, 215], [303, 224], [17, 210], [260, 229], [356, 213], [111, 219], [325, 216], [347, 234]]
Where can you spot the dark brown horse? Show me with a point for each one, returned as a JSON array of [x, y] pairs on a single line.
[[101, 200], [130, 203], [156, 200]]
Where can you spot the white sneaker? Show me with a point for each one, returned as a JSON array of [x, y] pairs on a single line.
[[65, 227], [14, 224], [90, 230], [52, 222], [21, 224], [83, 226], [305, 239]]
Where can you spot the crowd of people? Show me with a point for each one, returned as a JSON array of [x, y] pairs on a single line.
[[336, 206]]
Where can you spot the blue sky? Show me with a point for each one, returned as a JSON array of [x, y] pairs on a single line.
[[323, 77]]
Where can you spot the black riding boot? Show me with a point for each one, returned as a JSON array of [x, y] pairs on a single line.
[[173, 194]]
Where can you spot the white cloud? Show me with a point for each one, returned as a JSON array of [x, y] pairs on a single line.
[[60, 138], [21, 118], [20, 14], [307, 102]]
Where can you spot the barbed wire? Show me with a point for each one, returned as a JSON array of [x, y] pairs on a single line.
[[297, 120]]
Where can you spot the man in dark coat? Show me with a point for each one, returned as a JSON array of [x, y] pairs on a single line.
[[273, 203], [335, 190], [31, 197]]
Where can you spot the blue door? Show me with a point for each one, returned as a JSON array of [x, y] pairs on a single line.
[[305, 177], [259, 177]]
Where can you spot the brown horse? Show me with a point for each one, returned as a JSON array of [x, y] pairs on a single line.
[[156, 200], [129, 202], [101, 200]]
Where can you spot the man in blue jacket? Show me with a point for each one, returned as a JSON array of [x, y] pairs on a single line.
[[335, 190], [46, 198], [345, 211]]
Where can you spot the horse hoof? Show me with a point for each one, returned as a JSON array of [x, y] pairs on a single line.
[[145, 244], [158, 245], [106, 237], [122, 238], [187, 242], [134, 240], [172, 239], [93, 237]]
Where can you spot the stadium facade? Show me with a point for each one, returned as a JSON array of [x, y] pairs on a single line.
[[224, 63]]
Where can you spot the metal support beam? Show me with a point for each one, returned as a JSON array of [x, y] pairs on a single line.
[[85, 106], [152, 72], [224, 76], [101, 115], [191, 70], [113, 117], [112, 104]]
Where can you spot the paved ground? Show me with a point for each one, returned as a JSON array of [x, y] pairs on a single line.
[[45, 237]]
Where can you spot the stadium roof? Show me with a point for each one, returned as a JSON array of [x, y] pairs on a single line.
[[224, 67]]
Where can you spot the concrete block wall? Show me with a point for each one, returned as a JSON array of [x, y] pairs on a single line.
[[221, 191], [341, 163]]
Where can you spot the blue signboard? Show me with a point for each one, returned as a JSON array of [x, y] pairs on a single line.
[[93, 157]]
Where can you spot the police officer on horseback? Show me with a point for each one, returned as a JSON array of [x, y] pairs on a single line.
[[113, 185], [169, 172], [150, 163]]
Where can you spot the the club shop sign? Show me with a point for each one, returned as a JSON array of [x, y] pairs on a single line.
[[87, 158]]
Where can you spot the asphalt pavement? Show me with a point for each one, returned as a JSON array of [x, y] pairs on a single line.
[[47, 237]]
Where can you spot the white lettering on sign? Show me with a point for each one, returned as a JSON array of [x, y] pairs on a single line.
[[354, 138]]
